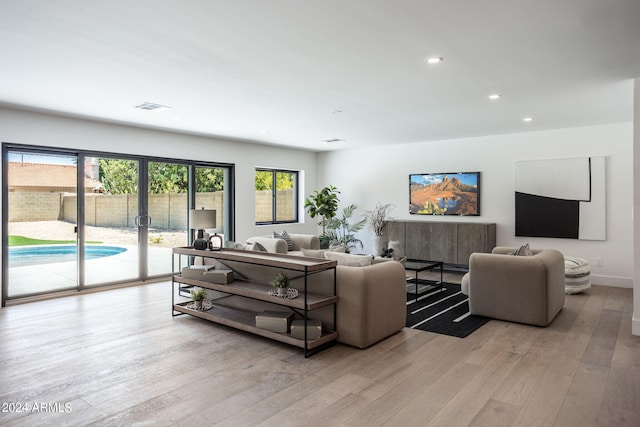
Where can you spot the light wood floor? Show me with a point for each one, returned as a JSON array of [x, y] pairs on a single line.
[[119, 358]]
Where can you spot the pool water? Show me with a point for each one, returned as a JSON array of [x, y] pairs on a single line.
[[32, 255]]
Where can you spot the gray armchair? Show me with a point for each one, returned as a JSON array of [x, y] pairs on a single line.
[[523, 289]]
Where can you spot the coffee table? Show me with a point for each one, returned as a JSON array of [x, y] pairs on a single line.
[[419, 265]]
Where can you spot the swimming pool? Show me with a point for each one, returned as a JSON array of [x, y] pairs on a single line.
[[32, 255]]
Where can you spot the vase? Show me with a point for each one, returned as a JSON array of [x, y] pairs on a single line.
[[378, 245], [198, 304], [282, 291]]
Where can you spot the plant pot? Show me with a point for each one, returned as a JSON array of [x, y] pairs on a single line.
[[378, 245], [282, 291], [198, 304]]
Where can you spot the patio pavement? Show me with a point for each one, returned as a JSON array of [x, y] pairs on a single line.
[[40, 278]]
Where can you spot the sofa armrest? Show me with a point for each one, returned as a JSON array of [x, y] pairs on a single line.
[[371, 303]]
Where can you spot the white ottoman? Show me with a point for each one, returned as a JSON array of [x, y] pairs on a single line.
[[464, 284], [577, 275]]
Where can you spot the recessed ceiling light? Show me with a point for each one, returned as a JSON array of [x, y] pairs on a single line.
[[434, 60], [152, 106], [528, 119], [495, 96]]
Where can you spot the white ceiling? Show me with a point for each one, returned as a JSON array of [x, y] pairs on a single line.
[[277, 71]]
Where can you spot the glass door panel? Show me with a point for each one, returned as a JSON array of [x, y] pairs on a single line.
[[168, 207], [41, 223], [211, 193], [111, 220]]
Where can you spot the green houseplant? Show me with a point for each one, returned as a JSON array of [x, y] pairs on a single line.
[[281, 281], [198, 295], [323, 203], [341, 231]]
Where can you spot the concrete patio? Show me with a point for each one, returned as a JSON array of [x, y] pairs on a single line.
[[39, 278]]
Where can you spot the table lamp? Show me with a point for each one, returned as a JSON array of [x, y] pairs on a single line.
[[199, 219]]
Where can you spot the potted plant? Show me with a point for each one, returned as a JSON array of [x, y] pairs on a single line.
[[281, 281], [377, 219], [325, 204], [198, 295], [341, 231]]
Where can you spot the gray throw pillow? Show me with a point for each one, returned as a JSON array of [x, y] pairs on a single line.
[[523, 250], [284, 236]]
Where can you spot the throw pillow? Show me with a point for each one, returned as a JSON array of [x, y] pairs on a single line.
[[349, 259], [523, 250], [234, 245], [255, 246], [284, 236]]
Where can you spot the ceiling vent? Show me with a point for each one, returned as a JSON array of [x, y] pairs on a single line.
[[150, 106], [327, 141]]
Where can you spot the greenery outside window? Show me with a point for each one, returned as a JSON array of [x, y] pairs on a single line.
[[276, 196]]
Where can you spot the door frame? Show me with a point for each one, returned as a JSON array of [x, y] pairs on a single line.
[[143, 207]]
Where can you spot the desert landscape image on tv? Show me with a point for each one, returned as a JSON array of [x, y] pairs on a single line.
[[444, 194]]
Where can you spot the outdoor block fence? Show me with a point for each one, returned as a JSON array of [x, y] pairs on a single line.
[[167, 211]]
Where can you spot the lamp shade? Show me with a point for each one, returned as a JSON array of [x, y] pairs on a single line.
[[199, 219]]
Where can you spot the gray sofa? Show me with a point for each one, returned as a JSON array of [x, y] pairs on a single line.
[[371, 300], [524, 289]]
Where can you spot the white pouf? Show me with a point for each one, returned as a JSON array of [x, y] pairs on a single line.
[[577, 275], [464, 284]]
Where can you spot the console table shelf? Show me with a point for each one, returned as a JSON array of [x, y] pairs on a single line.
[[261, 292], [245, 319]]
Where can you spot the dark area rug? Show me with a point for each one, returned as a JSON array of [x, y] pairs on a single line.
[[443, 311]]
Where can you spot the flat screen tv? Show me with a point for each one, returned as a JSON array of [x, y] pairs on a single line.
[[444, 193]]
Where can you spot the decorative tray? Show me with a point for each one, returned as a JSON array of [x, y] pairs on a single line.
[[291, 293]]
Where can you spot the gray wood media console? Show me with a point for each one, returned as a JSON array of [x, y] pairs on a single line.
[[449, 242]]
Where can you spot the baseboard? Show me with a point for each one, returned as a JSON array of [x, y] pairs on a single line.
[[617, 282]]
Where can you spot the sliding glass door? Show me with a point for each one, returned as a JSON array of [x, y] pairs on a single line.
[[111, 220], [40, 219], [107, 218], [168, 210]]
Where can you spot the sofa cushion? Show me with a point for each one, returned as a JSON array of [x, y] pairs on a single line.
[[349, 260], [319, 253], [255, 246]]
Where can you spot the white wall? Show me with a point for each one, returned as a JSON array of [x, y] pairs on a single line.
[[30, 128], [381, 174]]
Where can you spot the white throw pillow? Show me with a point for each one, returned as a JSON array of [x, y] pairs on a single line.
[[349, 259]]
